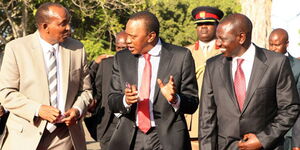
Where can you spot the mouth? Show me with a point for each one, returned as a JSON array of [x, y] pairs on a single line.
[[130, 48]]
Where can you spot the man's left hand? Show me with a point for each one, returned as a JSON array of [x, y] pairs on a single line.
[[71, 116], [250, 142], [168, 90]]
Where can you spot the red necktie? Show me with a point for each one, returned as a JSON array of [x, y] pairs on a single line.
[[240, 84], [144, 94]]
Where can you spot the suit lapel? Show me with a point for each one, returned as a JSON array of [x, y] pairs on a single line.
[[65, 69], [38, 56], [165, 59], [226, 76], [257, 73]]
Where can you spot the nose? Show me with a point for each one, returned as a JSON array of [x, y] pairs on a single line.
[[128, 40], [68, 27]]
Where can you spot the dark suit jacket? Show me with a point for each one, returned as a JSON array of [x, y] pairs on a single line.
[[102, 123], [270, 109], [171, 125], [295, 64]]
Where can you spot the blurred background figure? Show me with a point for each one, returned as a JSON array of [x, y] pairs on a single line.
[[278, 42], [103, 122], [206, 20]]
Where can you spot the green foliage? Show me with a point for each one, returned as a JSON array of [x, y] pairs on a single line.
[[93, 49], [96, 22], [176, 21]]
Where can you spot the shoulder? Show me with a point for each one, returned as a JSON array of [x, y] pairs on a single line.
[[216, 59], [23, 41], [72, 44], [108, 60], [190, 47], [175, 49]]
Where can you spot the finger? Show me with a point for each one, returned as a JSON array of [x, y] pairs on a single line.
[[160, 84], [128, 90], [133, 88], [171, 80]]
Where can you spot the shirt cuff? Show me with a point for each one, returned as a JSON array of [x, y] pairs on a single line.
[[125, 104], [80, 111], [177, 104], [37, 111]]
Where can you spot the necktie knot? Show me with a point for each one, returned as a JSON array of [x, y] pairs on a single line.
[[52, 50], [147, 56], [240, 61]]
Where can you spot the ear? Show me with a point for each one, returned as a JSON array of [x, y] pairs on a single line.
[[152, 36], [287, 43], [45, 27], [242, 38]]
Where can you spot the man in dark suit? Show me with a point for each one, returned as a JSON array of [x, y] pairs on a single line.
[[278, 42], [152, 91], [249, 98], [103, 122]]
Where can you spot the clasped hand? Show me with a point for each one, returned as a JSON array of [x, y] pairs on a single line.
[[53, 115]]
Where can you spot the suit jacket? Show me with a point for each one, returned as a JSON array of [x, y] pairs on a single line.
[[200, 62], [171, 125], [24, 87], [103, 121], [270, 108], [295, 64]]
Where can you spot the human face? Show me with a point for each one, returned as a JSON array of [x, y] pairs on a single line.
[[277, 44], [58, 27], [138, 38], [206, 31], [121, 44], [228, 40]]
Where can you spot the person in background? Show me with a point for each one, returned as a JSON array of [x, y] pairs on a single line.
[[249, 98], [103, 122], [153, 85], [278, 42], [207, 19], [45, 85]]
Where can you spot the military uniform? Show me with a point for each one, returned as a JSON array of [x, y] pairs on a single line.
[[201, 52]]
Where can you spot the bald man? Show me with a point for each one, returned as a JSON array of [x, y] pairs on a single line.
[[45, 85], [278, 42], [249, 98]]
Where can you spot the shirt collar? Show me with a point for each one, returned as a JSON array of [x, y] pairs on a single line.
[[155, 51], [248, 55], [210, 43]]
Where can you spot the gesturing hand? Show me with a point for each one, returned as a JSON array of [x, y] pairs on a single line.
[[250, 142], [168, 90], [49, 113], [71, 116], [131, 94]]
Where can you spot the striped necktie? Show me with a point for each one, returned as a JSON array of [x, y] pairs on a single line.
[[52, 82]]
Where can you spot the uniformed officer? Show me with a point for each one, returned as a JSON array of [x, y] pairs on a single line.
[[206, 18]]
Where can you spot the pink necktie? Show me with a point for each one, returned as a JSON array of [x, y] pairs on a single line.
[[144, 93], [240, 84]]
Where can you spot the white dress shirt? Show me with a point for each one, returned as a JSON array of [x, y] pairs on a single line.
[[155, 53], [46, 51], [247, 64]]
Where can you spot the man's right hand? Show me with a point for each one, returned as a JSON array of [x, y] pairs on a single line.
[[49, 113], [131, 94]]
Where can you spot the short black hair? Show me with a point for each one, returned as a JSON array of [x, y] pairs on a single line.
[[42, 14], [151, 21]]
